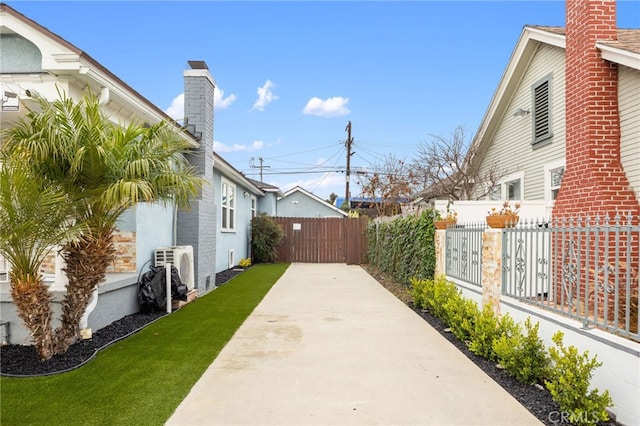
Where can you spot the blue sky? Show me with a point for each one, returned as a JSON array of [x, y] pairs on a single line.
[[292, 74]]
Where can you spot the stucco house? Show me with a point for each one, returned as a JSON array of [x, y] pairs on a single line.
[[240, 201], [269, 202], [298, 202], [214, 232]]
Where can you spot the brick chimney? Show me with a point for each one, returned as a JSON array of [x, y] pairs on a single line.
[[197, 226], [594, 182]]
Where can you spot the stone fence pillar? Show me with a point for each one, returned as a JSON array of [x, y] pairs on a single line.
[[440, 246], [491, 264], [492, 268]]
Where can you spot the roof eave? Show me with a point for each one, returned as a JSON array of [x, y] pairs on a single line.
[[228, 170], [619, 56], [313, 197], [516, 67]]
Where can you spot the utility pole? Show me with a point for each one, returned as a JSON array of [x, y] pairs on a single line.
[[348, 143], [259, 167]]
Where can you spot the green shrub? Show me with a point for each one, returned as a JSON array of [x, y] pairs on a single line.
[[444, 293], [568, 383], [487, 329], [463, 314], [523, 356], [428, 295], [416, 292], [266, 234]]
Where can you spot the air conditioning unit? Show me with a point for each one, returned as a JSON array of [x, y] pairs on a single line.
[[179, 256]]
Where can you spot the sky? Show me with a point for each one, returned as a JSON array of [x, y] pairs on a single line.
[[290, 75]]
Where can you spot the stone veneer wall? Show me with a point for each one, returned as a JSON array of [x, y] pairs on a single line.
[[125, 259], [492, 268]]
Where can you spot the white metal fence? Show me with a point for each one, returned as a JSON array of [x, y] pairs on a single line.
[[463, 253], [581, 268]]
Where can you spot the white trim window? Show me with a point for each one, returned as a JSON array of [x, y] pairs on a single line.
[[228, 206], [553, 174], [254, 207], [509, 188]]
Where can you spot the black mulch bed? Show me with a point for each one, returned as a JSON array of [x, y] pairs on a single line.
[[23, 360], [535, 398]]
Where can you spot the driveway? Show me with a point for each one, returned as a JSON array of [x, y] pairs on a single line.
[[328, 345]]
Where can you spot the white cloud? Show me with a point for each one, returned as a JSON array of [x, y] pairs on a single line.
[[265, 96], [220, 102], [176, 109], [331, 107], [220, 147]]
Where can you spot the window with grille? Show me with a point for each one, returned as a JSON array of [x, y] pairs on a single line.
[[542, 113], [555, 181], [228, 206]]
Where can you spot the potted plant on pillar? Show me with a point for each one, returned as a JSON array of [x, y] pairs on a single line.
[[450, 218], [506, 217]]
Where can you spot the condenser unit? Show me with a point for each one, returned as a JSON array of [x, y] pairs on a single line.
[[179, 256]]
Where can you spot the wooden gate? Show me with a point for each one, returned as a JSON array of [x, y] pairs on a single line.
[[323, 240]]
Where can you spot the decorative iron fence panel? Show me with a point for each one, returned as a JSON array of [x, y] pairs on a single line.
[[464, 253], [582, 268]]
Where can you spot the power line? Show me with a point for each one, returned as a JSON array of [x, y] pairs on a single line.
[[258, 167], [301, 152]]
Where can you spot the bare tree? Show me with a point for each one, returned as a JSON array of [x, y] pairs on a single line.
[[388, 185], [450, 168]]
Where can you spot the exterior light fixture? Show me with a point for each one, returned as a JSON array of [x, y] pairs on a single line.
[[521, 112]]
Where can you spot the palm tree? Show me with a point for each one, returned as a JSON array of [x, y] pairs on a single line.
[[33, 219], [105, 168]]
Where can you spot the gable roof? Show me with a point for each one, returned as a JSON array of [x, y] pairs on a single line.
[[265, 187], [624, 51], [314, 197], [86, 69], [224, 167]]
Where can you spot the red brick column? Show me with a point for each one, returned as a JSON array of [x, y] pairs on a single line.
[[594, 180], [594, 183]]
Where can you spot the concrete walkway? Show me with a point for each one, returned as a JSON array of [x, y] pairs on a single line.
[[328, 345]]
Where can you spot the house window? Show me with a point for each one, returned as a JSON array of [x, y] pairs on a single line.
[[513, 190], [495, 193], [556, 180], [553, 174], [228, 206], [509, 188], [542, 113], [254, 210]]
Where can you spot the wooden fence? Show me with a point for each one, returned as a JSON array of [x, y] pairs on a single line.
[[323, 240]]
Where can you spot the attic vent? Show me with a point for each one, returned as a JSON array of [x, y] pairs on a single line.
[[541, 114]]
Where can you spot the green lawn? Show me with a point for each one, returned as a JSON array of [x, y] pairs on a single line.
[[142, 379]]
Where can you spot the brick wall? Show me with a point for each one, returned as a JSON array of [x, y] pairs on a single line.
[[594, 181], [197, 226]]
